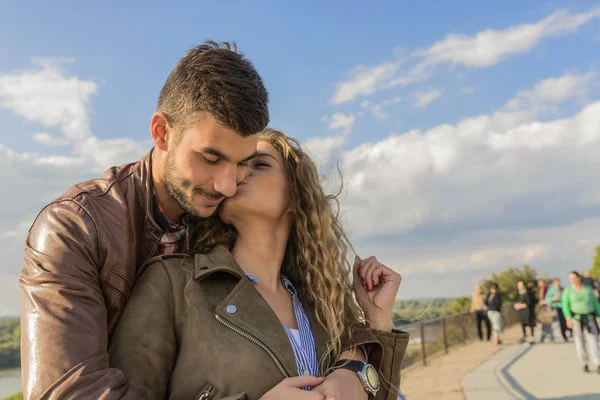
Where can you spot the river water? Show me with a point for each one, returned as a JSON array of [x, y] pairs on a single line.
[[10, 382]]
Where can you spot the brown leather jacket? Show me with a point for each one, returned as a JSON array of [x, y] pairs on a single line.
[[82, 257], [201, 330]]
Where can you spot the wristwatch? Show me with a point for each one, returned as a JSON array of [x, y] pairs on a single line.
[[367, 374]]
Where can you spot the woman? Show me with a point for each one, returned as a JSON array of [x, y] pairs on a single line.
[[543, 289], [581, 308], [480, 309], [526, 308], [494, 306], [267, 296]]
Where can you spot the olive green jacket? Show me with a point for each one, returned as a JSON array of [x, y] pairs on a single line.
[[197, 328]]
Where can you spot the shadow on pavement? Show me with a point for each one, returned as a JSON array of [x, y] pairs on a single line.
[[515, 387]]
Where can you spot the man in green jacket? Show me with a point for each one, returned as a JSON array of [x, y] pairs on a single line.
[[581, 308]]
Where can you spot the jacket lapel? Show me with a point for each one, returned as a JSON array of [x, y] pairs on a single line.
[[246, 309]]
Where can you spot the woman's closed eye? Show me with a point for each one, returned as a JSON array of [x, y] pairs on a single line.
[[259, 164]]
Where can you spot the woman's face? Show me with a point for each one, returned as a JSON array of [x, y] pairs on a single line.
[[574, 279], [265, 191]]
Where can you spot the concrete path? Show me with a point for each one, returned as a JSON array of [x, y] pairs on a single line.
[[441, 378], [542, 371]]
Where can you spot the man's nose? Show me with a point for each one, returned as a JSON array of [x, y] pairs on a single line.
[[226, 183]]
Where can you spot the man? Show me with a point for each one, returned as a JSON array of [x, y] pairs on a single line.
[[86, 248], [554, 298], [591, 282]]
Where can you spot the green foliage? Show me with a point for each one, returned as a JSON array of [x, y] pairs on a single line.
[[507, 281], [407, 311], [16, 396], [10, 336], [595, 271], [460, 305]]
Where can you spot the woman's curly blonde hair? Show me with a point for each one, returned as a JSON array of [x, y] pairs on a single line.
[[317, 253]]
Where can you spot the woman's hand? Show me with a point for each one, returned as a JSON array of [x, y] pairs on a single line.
[[376, 287], [291, 388], [569, 322]]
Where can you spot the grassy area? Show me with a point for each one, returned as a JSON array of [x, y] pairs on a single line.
[[10, 346], [16, 396]]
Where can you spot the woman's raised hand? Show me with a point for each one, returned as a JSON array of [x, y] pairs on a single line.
[[376, 287]]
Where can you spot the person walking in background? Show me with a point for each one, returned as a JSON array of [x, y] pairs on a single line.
[[591, 282], [526, 308], [479, 308], [545, 315], [493, 302], [581, 307], [554, 299], [543, 289]]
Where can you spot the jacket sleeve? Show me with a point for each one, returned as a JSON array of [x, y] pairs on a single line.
[[63, 314], [566, 303], [394, 348]]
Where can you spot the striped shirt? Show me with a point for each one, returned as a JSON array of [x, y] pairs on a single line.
[[305, 350]]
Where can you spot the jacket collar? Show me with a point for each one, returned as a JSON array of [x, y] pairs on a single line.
[[218, 260], [252, 313]]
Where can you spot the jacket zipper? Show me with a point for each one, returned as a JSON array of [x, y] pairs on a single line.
[[206, 393], [255, 341]]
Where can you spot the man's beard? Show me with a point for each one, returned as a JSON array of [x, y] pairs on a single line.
[[176, 186]]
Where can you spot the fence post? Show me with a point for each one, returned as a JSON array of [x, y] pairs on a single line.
[[422, 333], [463, 329], [444, 335]]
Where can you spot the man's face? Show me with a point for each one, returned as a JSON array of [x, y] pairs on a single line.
[[557, 283], [206, 165]]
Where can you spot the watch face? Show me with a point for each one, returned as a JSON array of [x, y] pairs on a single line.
[[372, 377]]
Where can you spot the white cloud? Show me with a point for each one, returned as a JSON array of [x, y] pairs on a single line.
[[490, 46], [48, 96], [342, 122], [483, 49], [321, 149], [49, 140], [378, 109], [364, 81], [425, 98], [504, 168]]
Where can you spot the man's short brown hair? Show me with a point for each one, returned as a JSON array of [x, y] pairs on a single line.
[[215, 78]]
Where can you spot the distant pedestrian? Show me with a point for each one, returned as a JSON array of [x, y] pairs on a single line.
[[542, 290], [493, 302], [526, 308], [581, 307], [554, 298], [480, 309], [546, 315], [591, 282]]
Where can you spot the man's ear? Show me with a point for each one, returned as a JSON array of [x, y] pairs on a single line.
[[160, 131]]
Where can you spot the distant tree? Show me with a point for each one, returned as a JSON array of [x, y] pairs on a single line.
[[507, 281], [459, 305], [596, 266]]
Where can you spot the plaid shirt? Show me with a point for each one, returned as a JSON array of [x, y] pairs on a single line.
[[175, 237]]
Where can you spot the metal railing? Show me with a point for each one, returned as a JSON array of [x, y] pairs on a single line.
[[438, 335]]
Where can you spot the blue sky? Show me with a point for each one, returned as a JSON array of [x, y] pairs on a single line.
[[463, 128]]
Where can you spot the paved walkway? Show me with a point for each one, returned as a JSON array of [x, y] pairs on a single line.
[[441, 378], [542, 371]]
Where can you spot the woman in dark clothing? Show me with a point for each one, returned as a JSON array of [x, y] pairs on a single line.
[[526, 308]]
